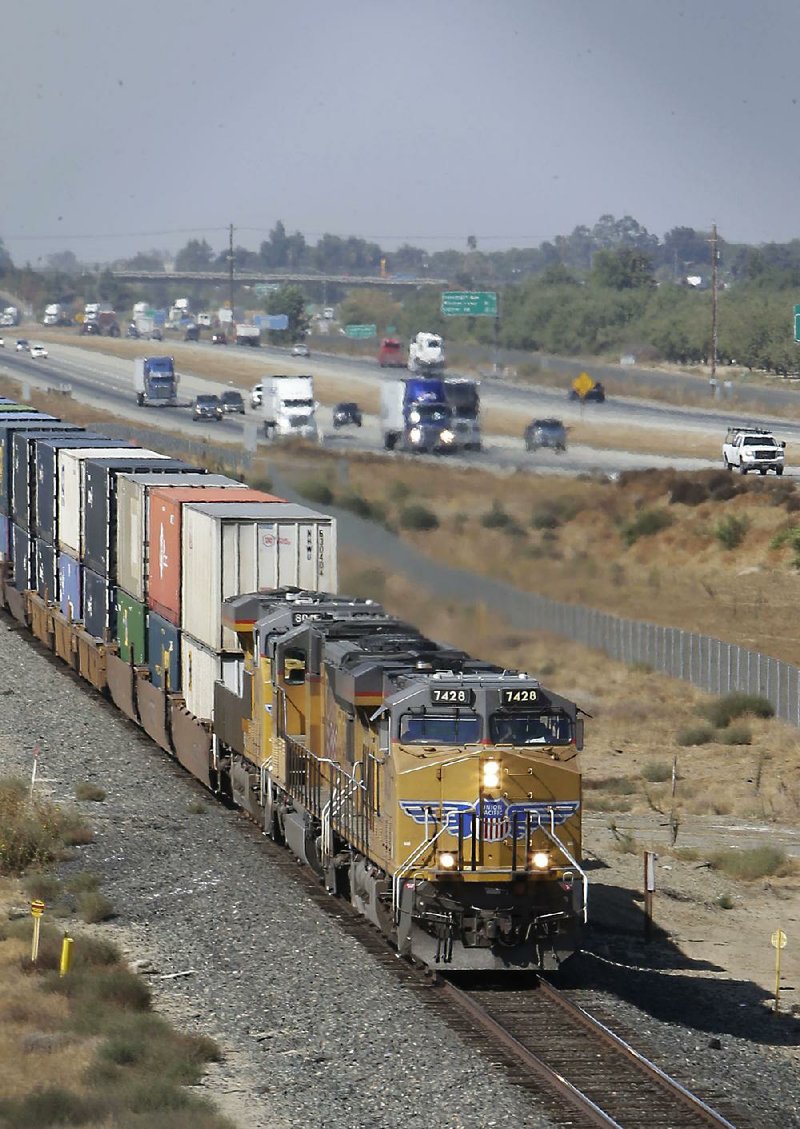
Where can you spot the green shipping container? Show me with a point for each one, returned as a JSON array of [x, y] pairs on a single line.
[[131, 628], [6, 408]]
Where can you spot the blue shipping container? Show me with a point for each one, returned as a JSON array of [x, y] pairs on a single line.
[[164, 652], [46, 571], [22, 557], [69, 587], [99, 612]]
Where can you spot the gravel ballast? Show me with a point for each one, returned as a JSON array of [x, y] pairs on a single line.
[[315, 1032]]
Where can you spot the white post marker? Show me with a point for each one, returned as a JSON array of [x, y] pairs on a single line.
[[36, 751], [778, 942], [37, 909]]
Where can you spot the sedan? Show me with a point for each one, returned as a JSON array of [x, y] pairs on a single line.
[[347, 413], [22, 345], [232, 402], [207, 407], [38, 351], [300, 349], [545, 433]]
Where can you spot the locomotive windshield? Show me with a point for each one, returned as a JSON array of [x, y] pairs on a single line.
[[440, 729], [529, 729]]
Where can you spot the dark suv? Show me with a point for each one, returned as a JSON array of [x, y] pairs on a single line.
[[232, 402], [545, 433], [348, 413], [207, 407]]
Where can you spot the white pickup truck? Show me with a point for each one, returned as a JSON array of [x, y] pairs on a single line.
[[752, 448]]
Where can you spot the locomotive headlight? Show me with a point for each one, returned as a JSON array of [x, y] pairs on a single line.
[[415, 435], [540, 860], [491, 774], [447, 437], [446, 861]]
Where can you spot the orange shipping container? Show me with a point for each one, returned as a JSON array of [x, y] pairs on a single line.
[[164, 549]]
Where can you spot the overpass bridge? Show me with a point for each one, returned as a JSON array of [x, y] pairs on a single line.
[[249, 278]]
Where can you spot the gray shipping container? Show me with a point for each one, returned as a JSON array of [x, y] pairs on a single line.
[[228, 549]]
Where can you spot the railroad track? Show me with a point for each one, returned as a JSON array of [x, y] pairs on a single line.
[[582, 1073]]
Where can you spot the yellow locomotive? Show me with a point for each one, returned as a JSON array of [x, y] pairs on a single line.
[[439, 793]]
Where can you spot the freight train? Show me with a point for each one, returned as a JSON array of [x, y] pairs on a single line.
[[440, 794]]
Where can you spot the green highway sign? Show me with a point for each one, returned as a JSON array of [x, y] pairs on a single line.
[[361, 330], [797, 323], [469, 303]]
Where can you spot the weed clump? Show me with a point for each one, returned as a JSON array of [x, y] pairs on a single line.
[[35, 831], [657, 772], [645, 524], [756, 862], [730, 530], [722, 711], [316, 491], [90, 792], [740, 734], [416, 516], [694, 735]]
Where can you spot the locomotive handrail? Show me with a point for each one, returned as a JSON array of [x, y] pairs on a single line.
[[338, 798], [551, 835], [406, 866]]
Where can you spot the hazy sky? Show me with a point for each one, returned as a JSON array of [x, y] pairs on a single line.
[[133, 126]]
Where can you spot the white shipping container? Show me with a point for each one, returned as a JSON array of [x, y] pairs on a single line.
[[200, 668], [70, 491], [132, 521], [229, 549]]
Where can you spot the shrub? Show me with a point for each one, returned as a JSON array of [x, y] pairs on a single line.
[[42, 887], [788, 538], [91, 792], [740, 734], [617, 785], [356, 504], [725, 901], [316, 491], [721, 711], [34, 831], [196, 807], [416, 516], [694, 735], [399, 491], [730, 530], [94, 907], [645, 524], [657, 772], [756, 862], [261, 482], [688, 492], [82, 882], [496, 517]]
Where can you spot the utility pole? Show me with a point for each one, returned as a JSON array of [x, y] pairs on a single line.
[[713, 242], [230, 269]]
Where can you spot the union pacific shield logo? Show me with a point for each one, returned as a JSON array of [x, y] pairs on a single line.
[[499, 818]]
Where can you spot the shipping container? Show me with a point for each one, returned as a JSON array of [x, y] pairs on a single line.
[[22, 556], [232, 548], [45, 516], [70, 492], [8, 428], [131, 628], [163, 653], [99, 614], [165, 538], [201, 667], [46, 571], [133, 492], [23, 470], [100, 503], [69, 587]]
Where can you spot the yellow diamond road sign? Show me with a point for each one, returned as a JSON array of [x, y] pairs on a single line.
[[778, 939], [583, 384]]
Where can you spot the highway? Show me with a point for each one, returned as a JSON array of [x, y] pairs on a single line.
[[105, 381]]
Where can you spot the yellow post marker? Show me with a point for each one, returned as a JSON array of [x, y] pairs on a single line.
[[778, 942], [37, 909], [66, 955]]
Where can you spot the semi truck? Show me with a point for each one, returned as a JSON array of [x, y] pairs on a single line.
[[247, 334], [415, 416], [462, 395], [288, 407], [155, 382], [426, 354], [56, 314]]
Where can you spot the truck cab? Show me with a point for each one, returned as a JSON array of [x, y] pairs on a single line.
[[155, 381]]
